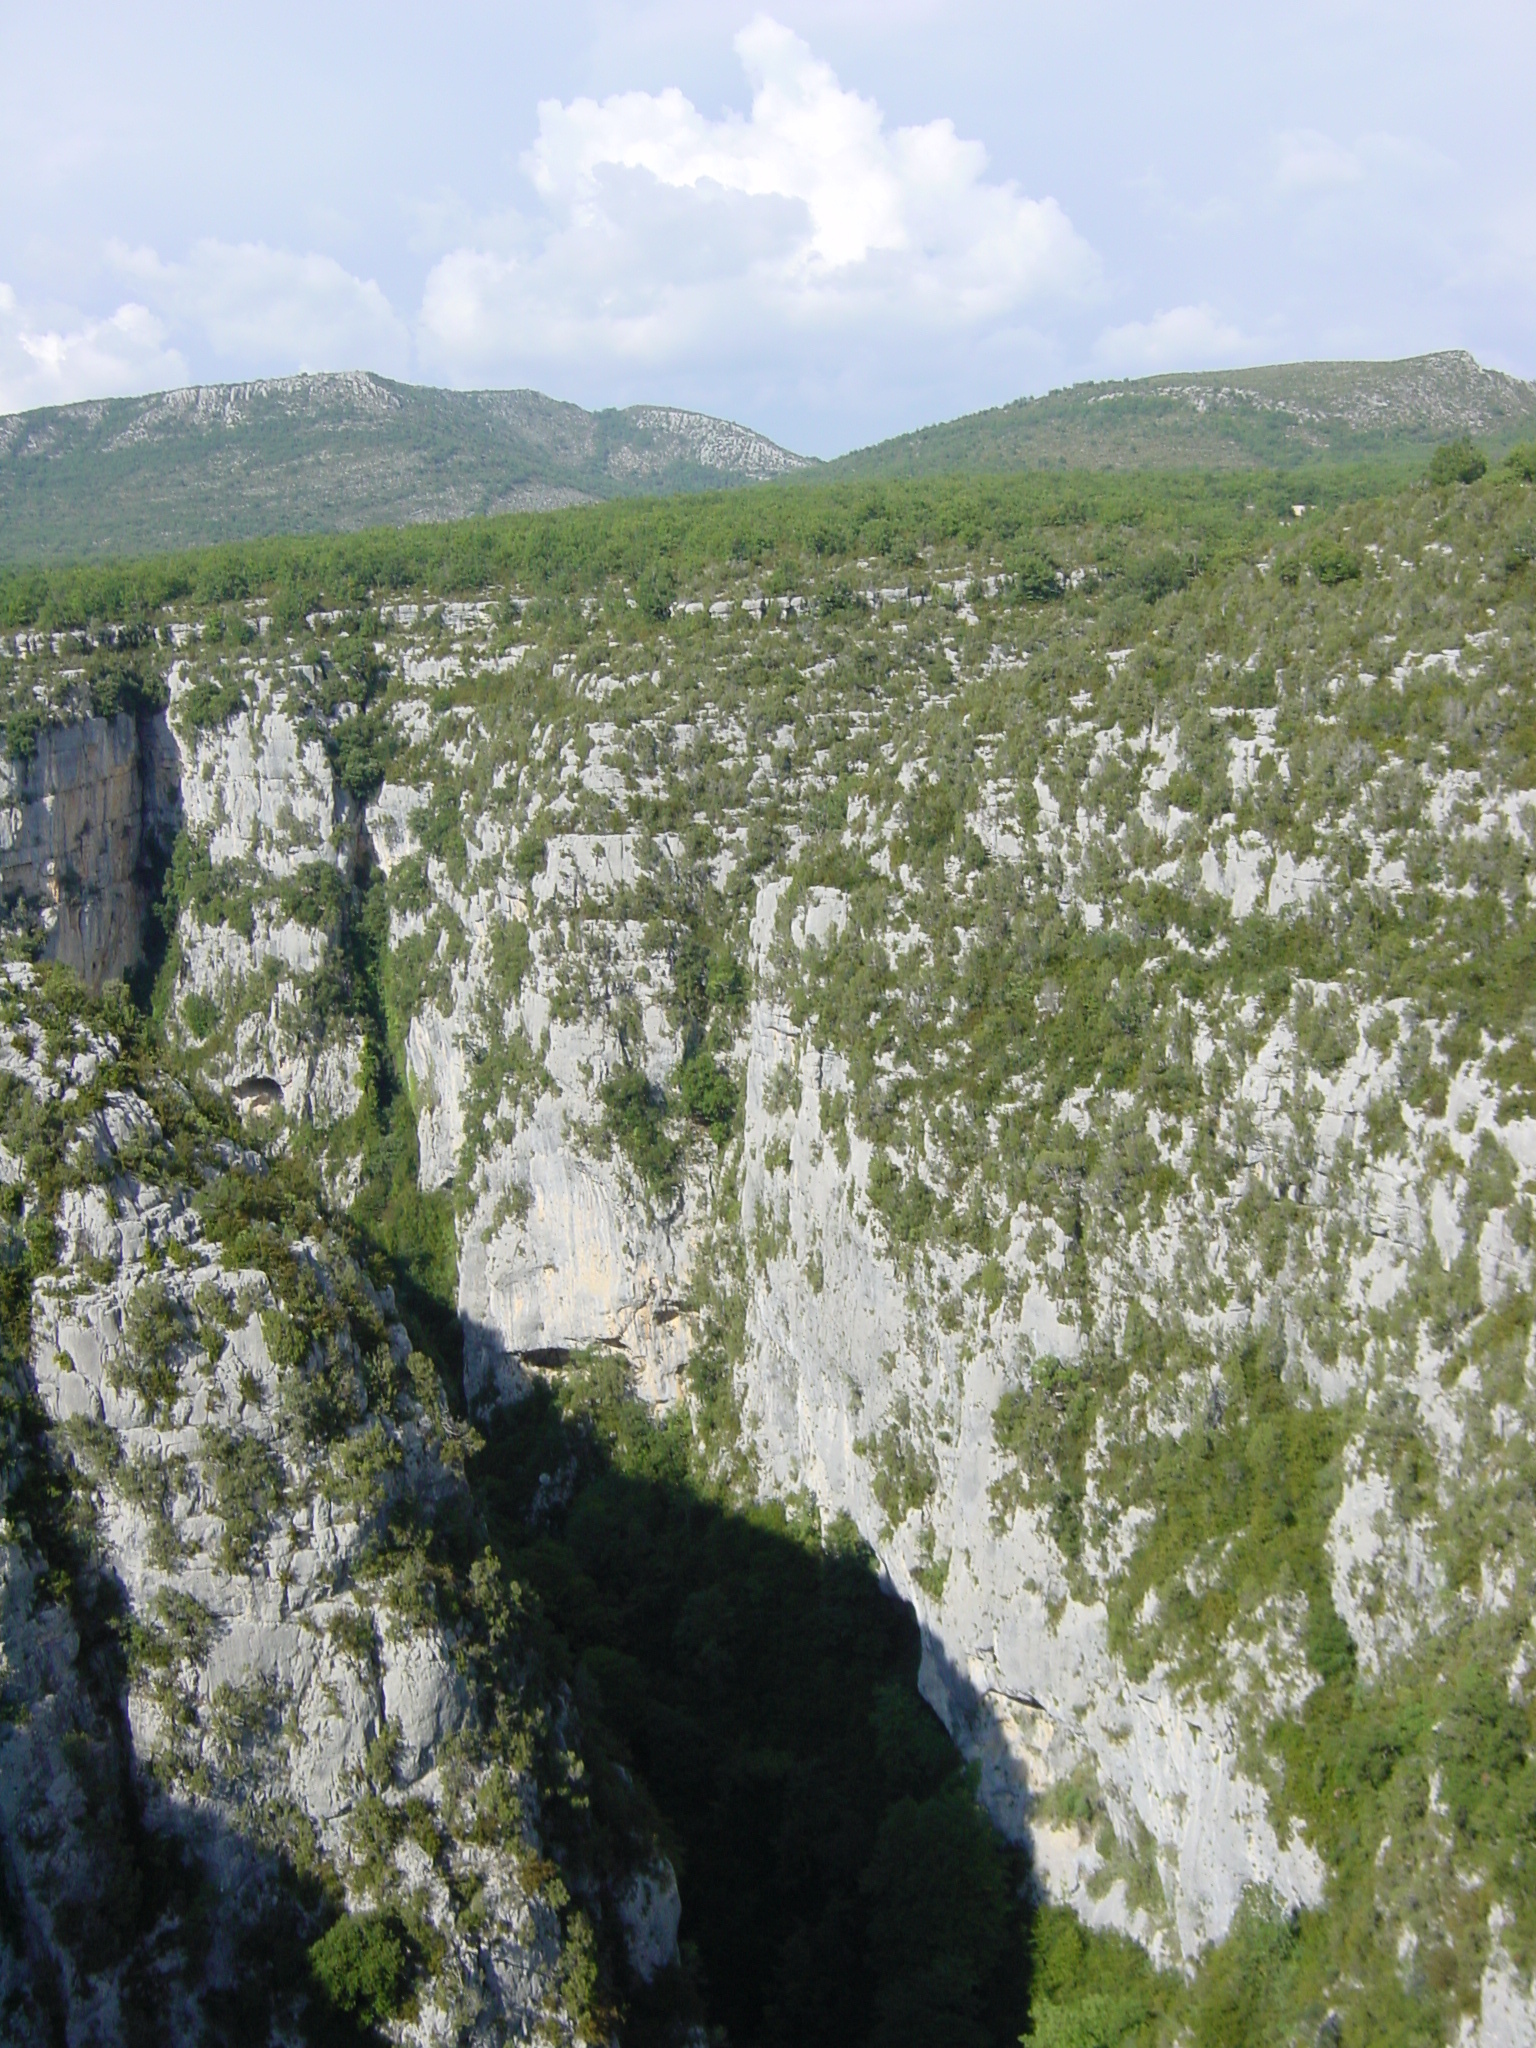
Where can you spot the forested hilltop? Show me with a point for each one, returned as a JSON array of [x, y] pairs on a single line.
[[770, 1271]]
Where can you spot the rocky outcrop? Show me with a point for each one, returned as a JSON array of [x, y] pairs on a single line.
[[260, 1462], [1017, 1662]]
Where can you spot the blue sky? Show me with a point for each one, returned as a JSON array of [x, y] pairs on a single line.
[[832, 222]]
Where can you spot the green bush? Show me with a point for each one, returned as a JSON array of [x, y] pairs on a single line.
[[23, 729], [361, 749], [1045, 1428], [531, 854], [1458, 462], [655, 592], [363, 1966], [635, 1118], [1332, 563], [123, 682], [1162, 574], [1035, 578], [708, 1095], [199, 1013], [246, 1480], [154, 1327], [905, 1476], [211, 701]]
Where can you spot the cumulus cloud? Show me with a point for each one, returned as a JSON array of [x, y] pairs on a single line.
[[238, 309], [49, 361], [1183, 338], [263, 309], [667, 236]]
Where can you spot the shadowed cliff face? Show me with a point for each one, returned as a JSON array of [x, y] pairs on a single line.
[[754, 1674], [86, 823]]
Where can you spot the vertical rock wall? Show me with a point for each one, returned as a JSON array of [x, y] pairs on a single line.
[[81, 822]]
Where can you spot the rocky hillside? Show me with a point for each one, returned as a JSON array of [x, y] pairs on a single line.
[[326, 454], [258, 1700], [1286, 416], [1003, 1017]]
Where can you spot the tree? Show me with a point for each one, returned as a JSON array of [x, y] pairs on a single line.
[[1458, 462]]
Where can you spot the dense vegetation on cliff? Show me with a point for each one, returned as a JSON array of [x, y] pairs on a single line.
[[979, 1025]]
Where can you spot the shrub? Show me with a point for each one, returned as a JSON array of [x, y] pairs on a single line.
[[211, 701], [22, 731], [119, 683], [1045, 1428], [1523, 461], [1333, 563], [200, 1014], [708, 1095], [247, 1484], [361, 750], [905, 1476], [1035, 579], [905, 1201], [654, 594], [531, 855], [1458, 462], [363, 1966], [634, 1116], [152, 1329], [1163, 574]]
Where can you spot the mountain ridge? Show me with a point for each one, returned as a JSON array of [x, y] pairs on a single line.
[[336, 451], [340, 451], [1276, 415]]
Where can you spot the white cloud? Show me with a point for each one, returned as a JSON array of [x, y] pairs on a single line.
[[670, 238], [43, 364], [1183, 338], [247, 309], [265, 310]]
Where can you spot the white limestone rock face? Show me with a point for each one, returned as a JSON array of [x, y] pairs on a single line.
[[1017, 1667], [650, 1912], [1330, 1181], [281, 839], [253, 789], [560, 1245], [860, 1369], [240, 1462], [1506, 2017]]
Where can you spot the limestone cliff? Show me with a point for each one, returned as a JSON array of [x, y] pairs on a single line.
[[1057, 1051], [247, 1683], [83, 819]]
